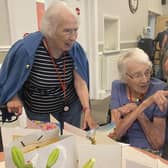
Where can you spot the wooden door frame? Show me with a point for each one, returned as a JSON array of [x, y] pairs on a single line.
[[158, 29]]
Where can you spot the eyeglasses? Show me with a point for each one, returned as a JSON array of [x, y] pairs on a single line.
[[139, 76], [70, 32]]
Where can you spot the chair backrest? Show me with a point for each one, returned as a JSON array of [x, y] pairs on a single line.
[[99, 110]]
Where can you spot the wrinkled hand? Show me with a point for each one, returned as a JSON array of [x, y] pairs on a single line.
[[15, 105], [89, 121], [112, 135], [124, 110], [160, 99]]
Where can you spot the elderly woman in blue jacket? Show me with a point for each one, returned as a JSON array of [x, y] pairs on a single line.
[[47, 71], [138, 103]]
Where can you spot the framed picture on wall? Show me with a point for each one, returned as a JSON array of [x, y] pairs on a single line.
[[133, 5]]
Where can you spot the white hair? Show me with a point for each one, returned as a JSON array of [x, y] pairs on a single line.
[[53, 16], [134, 55]]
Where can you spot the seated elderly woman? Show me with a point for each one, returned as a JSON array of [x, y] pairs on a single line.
[[138, 103]]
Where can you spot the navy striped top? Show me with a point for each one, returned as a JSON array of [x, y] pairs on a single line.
[[42, 90]]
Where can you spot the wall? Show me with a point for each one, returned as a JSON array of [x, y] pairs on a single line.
[[4, 26], [165, 8], [22, 17], [131, 24], [17, 17], [155, 6]]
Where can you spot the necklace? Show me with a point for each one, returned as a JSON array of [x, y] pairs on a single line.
[[137, 99], [62, 81]]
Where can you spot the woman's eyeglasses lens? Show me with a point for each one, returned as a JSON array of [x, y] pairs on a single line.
[[139, 76]]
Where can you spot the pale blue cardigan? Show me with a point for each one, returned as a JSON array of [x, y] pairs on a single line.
[[19, 60]]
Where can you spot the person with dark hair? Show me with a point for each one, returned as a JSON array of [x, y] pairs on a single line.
[[165, 73], [162, 38], [47, 71], [162, 41]]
